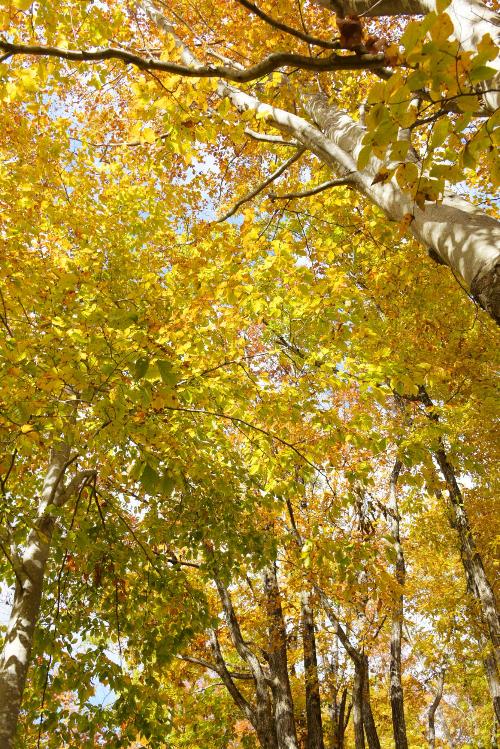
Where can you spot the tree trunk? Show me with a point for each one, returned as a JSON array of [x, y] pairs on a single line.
[[396, 686], [492, 676], [15, 658], [339, 720], [357, 708], [313, 700], [278, 663], [471, 560], [464, 238], [260, 717], [431, 731], [264, 723], [371, 733]]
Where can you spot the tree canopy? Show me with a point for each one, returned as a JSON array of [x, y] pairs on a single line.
[[248, 303]]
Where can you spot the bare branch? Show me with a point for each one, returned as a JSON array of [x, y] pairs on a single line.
[[267, 138], [353, 652], [213, 667], [341, 182], [326, 44], [263, 185]]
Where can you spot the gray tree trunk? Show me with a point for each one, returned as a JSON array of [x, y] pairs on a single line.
[[396, 686], [371, 732], [313, 699], [357, 709], [278, 663], [431, 728]]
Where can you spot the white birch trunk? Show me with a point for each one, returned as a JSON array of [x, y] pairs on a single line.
[[15, 656], [465, 238]]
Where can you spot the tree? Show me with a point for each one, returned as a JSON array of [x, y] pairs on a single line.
[[247, 384]]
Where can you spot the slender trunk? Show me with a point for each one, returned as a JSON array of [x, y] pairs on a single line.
[[264, 722], [15, 657], [431, 731], [339, 719], [260, 717], [494, 734], [471, 559], [492, 676], [278, 663], [396, 687], [357, 708], [475, 573], [371, 733], [313, 700]]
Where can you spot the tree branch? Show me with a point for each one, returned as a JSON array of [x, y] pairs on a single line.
[[231, 687], [288, 29], [342, 181], [266, 138], [296, 156], [353, 652], [213, 667], [266, 66]]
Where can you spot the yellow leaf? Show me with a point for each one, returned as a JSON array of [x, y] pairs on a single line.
[[26, 428], [148, 135]]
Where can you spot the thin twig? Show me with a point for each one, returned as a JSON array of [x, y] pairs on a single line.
[[263, 185], [341, 182]]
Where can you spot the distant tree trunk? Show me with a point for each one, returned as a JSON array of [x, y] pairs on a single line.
[[313, 699], [396, 686], [264, 721], [431, 731], [260, 717], [357, 709], [339, 717], [278, 663], [475, 574], [477, 580], [471, 559], [366, 708], [492, 676]]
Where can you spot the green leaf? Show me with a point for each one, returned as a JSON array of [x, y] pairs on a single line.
[[141, 366], [167, 373], [149, 479], [364, 157], [481, 73]]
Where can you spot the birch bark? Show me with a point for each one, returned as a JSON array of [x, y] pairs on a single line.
[[15, 657]]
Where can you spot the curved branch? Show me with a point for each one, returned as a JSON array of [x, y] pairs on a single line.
[[263, 185], [266, 66], [341, 182], [267, 138], [287, 29]]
